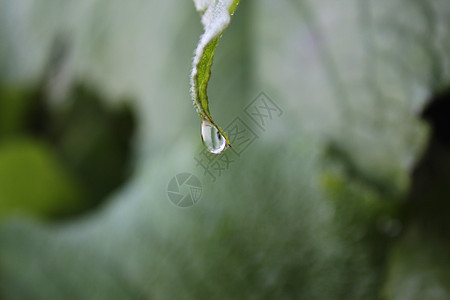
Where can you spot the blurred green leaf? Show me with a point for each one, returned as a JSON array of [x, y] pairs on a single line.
[[33, 181], [15, 109], [418, 267], [94, 141]]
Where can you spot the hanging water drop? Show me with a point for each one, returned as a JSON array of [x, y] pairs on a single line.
[[213, 140]]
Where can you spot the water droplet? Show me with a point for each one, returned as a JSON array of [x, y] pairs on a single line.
[[213, 140]]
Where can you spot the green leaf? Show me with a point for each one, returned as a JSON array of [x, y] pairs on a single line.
[[216, 16]]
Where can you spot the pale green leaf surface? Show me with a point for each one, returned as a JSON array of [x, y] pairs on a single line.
[[286, 221], [367, 69]]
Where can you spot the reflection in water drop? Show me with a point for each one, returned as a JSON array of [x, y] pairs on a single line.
[[213, 140]]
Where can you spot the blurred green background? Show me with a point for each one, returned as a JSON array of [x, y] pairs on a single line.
[[344, 196]]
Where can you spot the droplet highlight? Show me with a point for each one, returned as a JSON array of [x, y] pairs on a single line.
[[213, 140]]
